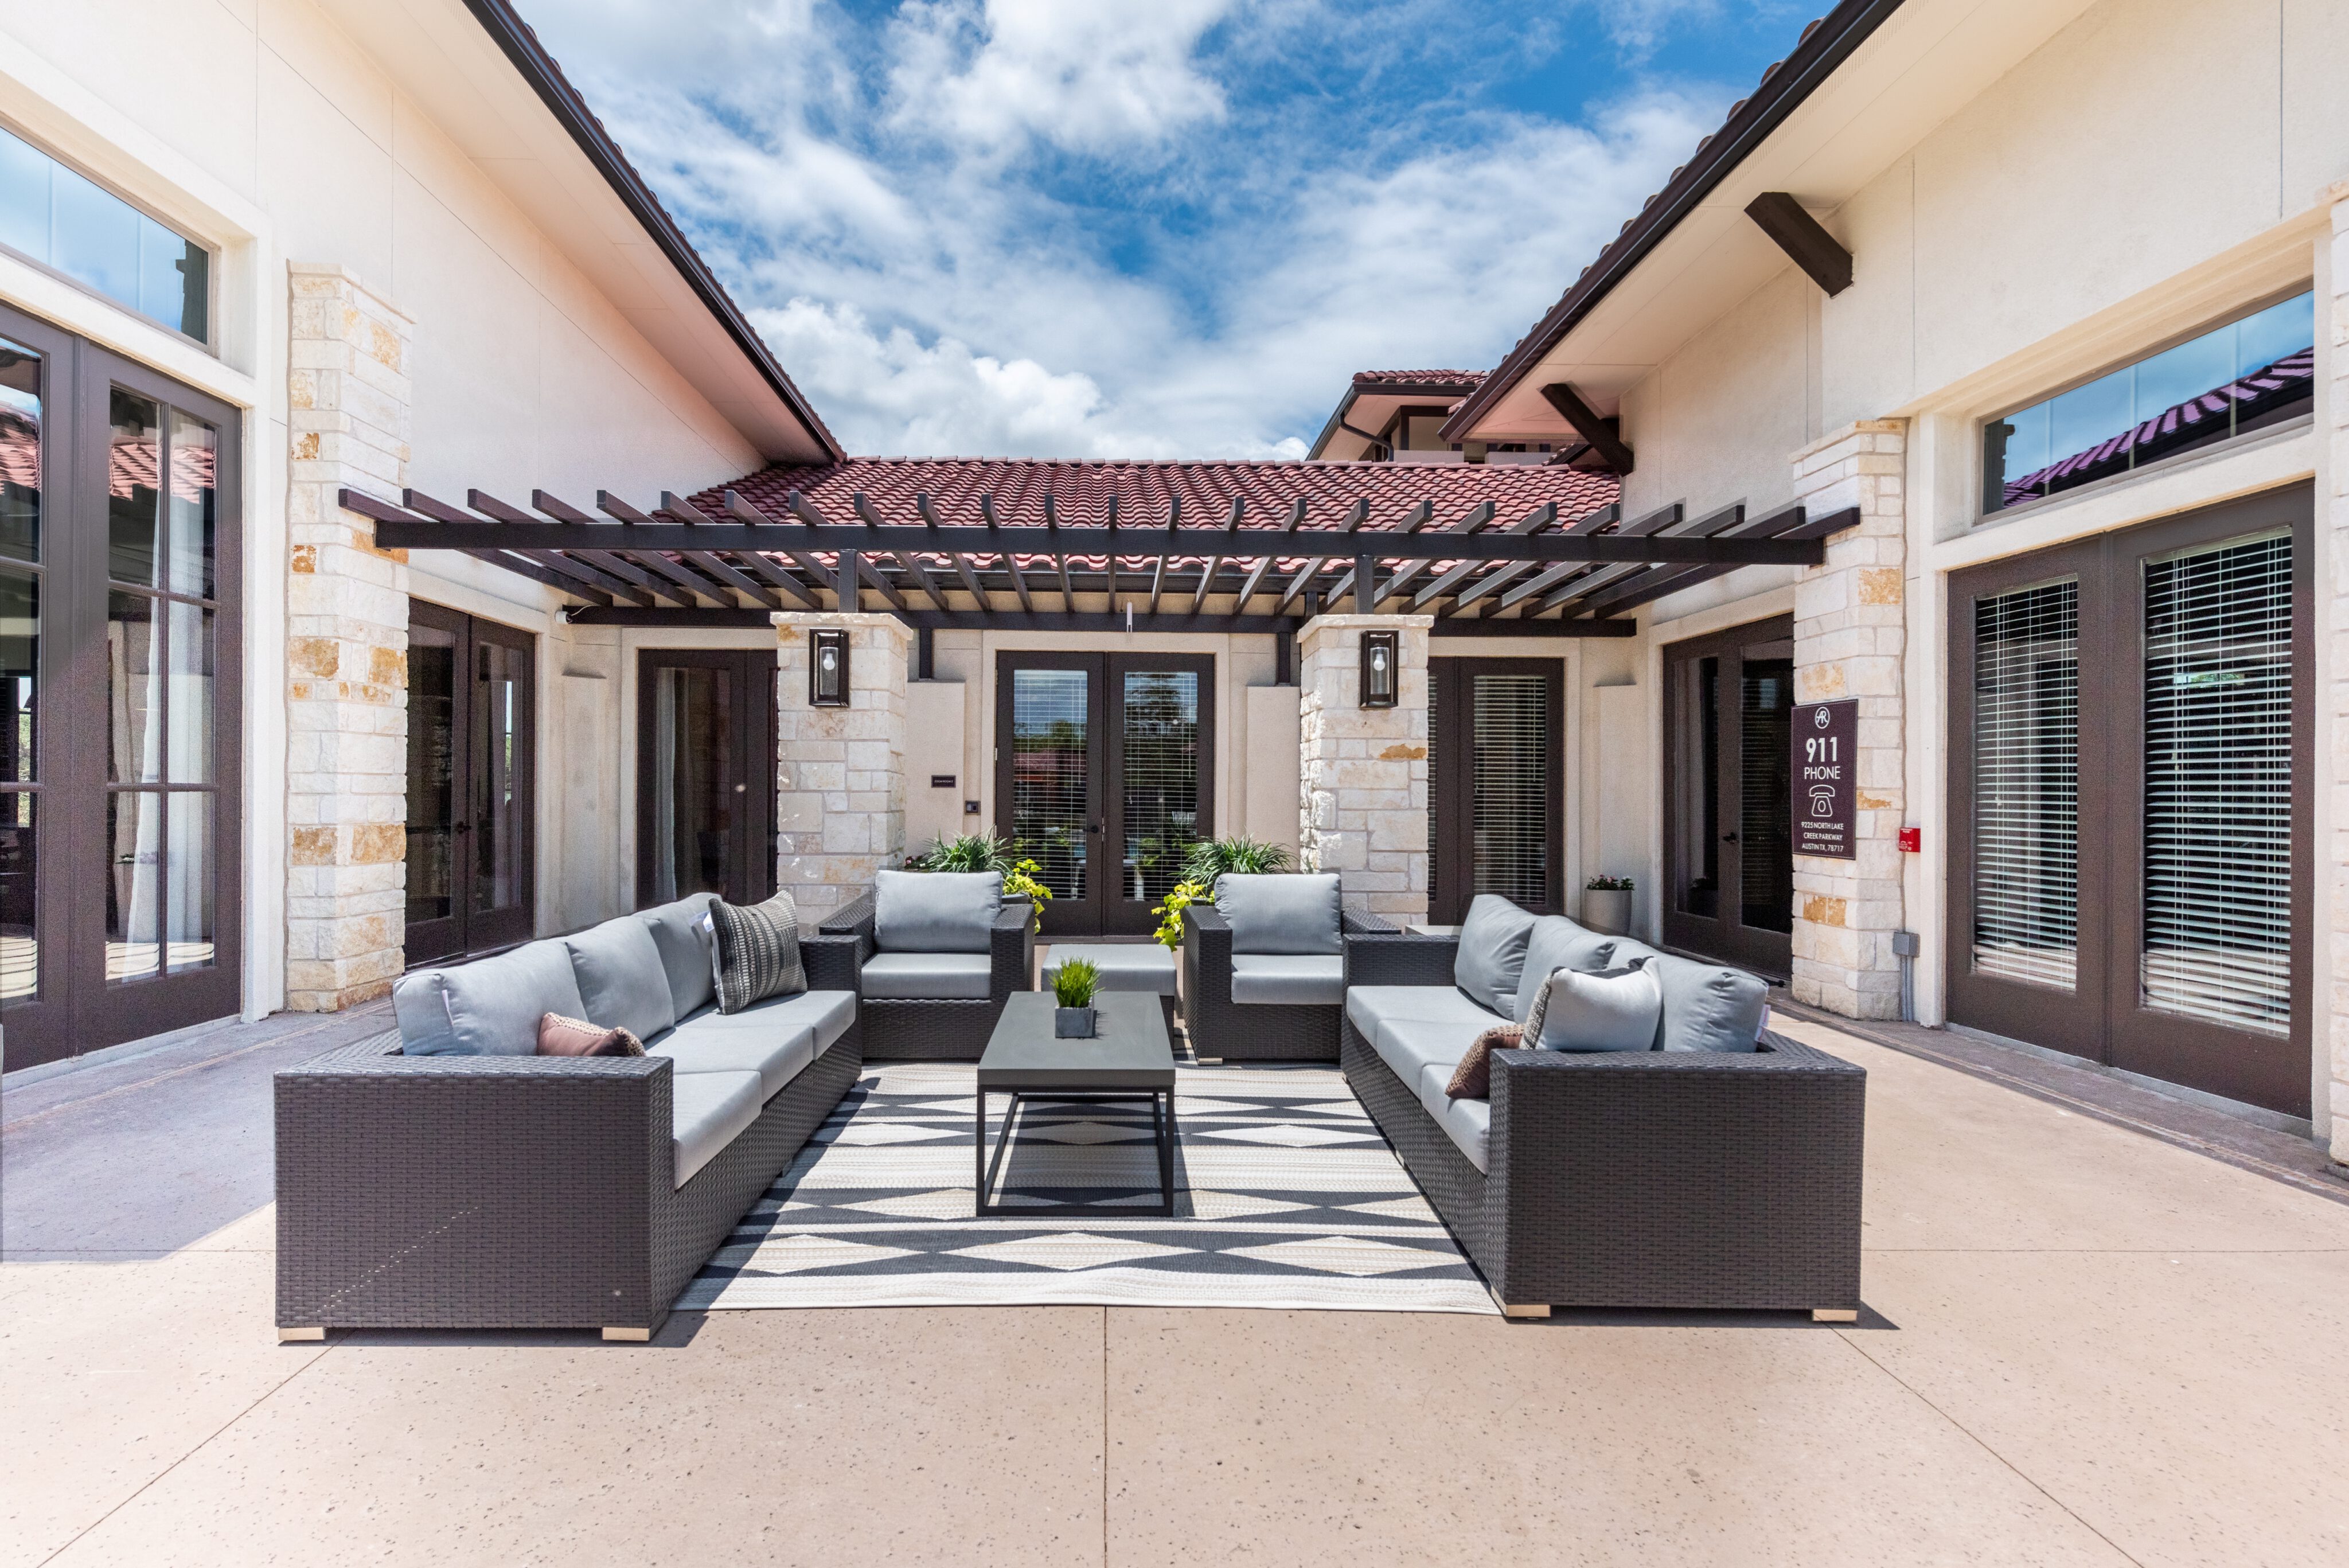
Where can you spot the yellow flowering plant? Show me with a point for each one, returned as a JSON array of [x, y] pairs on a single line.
[[1020, 882], [1170, 913]]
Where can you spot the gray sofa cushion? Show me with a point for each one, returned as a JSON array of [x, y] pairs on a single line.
[[936, 911], [1282, 912], [1410, 1046], [1290, 979], [825, 1013], [1707, 1007], [1558, 943], [622, 981], [1123, 966], [1468, 1123], [1617, 1011], [776, 1056], [1492, 956], [709, 1111], [1373, 1007], [487, 1008], [928, 976], [682, 933]]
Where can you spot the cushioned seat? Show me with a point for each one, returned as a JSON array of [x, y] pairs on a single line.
[[827, 1014], [1468, 1123], [1288, 980], [775, 1054], [925, 977], [1123, 966], [709, 1111], [1410, 1046], [1372, 1006]]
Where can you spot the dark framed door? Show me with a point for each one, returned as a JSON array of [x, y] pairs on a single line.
[[1496, 813], [1729, 852], [122, 818], [2130, 873], [1104, 774], [472, 775], [705, 774]]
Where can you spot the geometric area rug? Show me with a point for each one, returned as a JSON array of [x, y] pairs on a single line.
[[1287, 1197]]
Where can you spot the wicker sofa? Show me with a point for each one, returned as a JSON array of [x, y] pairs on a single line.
[[421, 1184], [918, 998], [1264, 976], [1660, 1179]]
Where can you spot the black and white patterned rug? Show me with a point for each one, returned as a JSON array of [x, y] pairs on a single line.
[[1286, 1197]]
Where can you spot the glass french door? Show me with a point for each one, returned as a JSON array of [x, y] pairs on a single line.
[[705, 774], [471, 784], [1105, 776], [121, 827], [1729, 851], [1496, 818], [2129, 875]]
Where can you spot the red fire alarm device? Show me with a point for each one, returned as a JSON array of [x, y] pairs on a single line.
[[1913, 841]]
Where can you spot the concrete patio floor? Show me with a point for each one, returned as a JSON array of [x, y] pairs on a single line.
[[2085, 1345]]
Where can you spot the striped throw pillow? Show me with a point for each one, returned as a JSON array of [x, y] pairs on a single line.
[[755, 953]]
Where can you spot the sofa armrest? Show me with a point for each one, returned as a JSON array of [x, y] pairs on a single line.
[[1011, 949], [1401, 957], [832, 962], [1362, 923], [1207, 953], [851, 918]]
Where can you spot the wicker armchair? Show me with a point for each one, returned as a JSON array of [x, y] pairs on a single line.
[[1635, 1179], [902, 1028], [1252, 1031]]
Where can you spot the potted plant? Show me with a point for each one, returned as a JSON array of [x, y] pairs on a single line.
[[1073, 984], [988, 852], [1211, 857], [1170, 913], [1607, 905]]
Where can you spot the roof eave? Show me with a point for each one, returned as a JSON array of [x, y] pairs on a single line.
[[1830, 42]]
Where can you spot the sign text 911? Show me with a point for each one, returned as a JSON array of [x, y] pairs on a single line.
[[1826, 760]]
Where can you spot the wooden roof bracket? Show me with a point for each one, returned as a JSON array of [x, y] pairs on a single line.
[[1605, 436]]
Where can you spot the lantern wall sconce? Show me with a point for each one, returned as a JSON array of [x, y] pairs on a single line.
[[828, 668], [1380, 679]]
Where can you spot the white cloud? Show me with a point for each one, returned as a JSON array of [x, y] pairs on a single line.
[[1083, 76]]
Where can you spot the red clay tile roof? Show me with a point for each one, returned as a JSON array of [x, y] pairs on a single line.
[[1459, 380]]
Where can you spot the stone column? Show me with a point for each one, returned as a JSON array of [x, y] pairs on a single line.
[[2331, 998], [346, 644], [1362, 772], [1850, 639], [840, 773]]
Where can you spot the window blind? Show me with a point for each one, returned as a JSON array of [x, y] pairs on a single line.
[[2218, 784], [2027, 808], [1512, 787], [1765, 787], [1050, 719], [1160, 776]]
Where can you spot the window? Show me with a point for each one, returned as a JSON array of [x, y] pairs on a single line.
[[70, 223], [2251, 373]]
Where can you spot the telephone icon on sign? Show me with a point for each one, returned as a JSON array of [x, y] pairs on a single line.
[[1823, 800]]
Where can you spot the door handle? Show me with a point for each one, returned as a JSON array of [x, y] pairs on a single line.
[[1093, 827], [1728, 838], [463, 828]]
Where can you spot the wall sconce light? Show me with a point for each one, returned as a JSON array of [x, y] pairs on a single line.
[[1380, 655], [828, 668]]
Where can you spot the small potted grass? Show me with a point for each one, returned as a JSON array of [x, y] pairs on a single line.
[[1073, 984]]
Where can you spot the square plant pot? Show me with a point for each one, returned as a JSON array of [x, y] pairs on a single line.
[[1073, 1022]]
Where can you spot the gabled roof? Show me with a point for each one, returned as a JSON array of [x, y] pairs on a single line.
[[1442, 386], [1825, 44]]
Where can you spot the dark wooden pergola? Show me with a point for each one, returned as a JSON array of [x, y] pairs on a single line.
[[680, 564]]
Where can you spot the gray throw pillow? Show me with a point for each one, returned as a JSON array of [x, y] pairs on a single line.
[[681, 932], [1545, 951], [936, 911], [1491, 961], [490, 1007], [756, 952], [1707, 1006], [1280, 911], [621, 979], [1616, 1011]]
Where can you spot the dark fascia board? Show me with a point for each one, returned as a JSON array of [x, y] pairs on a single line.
[[521, 49], [1089, 621], [1450, 391], [1817, 57]]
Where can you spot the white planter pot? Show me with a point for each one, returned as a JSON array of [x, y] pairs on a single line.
[[1608, 912]]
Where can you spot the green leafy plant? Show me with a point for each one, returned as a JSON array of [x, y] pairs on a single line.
[[1020, 882], [1213, 857], [1607, 885], [969, 852], [1074, 981], [1170, 913]]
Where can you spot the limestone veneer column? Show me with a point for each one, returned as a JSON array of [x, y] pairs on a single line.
[[1362, 772], [840, 773], [2331, 1000], [346, 644], [1851, 640]]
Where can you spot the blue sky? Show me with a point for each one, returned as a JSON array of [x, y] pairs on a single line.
[[1148, 228]]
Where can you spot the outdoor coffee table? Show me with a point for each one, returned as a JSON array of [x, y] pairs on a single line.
[[1130, 1058]]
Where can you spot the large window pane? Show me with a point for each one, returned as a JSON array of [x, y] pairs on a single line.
[[20, 451], [1699, 893], [2218, 784], [1510, 788], [94, 236], [1161, 770], [134, 497], [188, 880], [64, 220], [1049, 718], [20, 943], [431, 772], [134, 680], [499, 704], [190, 755], [190, 518], [2026, 809], [1765, 784], [693, 806], [134, 852], [20, 659]]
